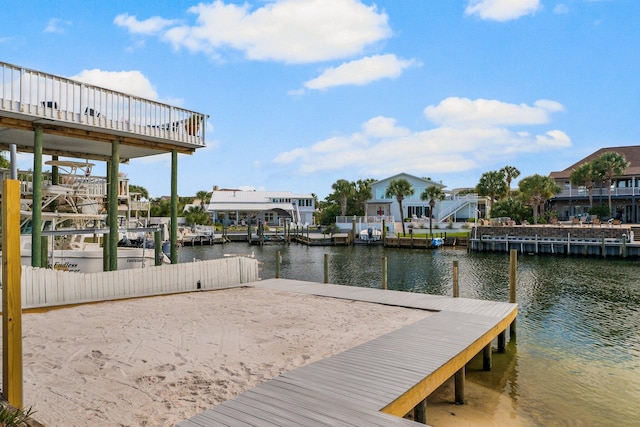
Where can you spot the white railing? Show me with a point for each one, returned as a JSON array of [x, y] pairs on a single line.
[[47, 288], [597, 192], [450, 207], [364, 219], [35, 93]]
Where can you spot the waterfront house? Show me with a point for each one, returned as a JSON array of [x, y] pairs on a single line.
[[625, 189], [455, 206], [272, 207]]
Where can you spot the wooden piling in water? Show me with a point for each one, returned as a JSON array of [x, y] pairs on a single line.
[[456, 285], [384, 272], [278, 261], [326, 268], [513, 278]]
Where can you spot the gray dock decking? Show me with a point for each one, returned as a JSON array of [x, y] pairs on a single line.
[[377, 382]]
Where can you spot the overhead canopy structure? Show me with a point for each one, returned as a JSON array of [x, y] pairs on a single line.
[[80, 120], [51, 115]]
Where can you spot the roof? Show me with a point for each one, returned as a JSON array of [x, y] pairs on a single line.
[[631, 153], [235, 197], [409, 176]]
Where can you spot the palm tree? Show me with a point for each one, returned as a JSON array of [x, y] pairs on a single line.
[[399, 188], [610, 165], [585, 175], [363, 193], [537, 189], [342, 190], [432, 194], [492, 184], [510, 173], [201, 195]]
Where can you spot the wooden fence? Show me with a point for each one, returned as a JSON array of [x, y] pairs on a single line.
[[47, 288]]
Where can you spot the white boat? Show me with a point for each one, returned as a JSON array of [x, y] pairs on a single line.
[[75, 228], [370, 235]]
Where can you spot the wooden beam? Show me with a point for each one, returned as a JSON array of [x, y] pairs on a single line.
[[403, 404], [11, 294]]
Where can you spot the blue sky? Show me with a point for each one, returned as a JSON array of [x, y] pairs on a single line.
[[302, 93]]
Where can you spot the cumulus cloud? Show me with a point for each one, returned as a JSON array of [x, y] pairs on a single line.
[[150, 26], [56, 25], [463, 112], [361, 72], [292, 31], [469, 134], [502, 10], [131, 82]]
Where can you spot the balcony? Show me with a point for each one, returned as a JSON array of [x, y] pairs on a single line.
[[81, 120]]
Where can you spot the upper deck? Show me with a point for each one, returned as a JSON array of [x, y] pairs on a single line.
[[81, 120]]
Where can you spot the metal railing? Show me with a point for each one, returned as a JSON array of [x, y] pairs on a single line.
[[35, 93]]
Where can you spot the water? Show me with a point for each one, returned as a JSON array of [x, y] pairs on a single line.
[[577, 356]]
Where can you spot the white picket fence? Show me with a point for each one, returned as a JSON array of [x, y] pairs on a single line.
[[47, 288]]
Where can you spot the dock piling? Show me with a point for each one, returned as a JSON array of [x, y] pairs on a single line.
[[420, 412], [456, 285], [459, 386], [326, 268], [384, 272], [513, 276], [278, 262]]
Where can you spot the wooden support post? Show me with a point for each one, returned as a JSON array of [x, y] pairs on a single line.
[[384, 272], [11, 294], [44, 252], [278, 262], [459, 386], [326, 268], [420, 412], [456, 285], [36, 206], [486, 358], [174, 207], [157, 246], [105, 252], [513, 280], [502, 341], [113, 205]]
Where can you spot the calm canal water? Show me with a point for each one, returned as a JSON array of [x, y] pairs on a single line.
[[577, 357]]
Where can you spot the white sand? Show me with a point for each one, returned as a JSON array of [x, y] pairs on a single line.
[[156, 361]]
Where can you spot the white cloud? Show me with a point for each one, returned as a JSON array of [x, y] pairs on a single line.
[[463, 112], [361, 72], [464, 140], [293, 31], [56, 25], [561, 9], [149, 26], [131, 82], [502, 10]]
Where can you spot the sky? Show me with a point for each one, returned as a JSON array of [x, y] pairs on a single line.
[[301, 93]]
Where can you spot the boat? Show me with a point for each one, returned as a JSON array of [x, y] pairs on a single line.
[[370, 235], [73, 220]]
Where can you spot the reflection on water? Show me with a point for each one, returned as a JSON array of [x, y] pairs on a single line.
[[578, 346]]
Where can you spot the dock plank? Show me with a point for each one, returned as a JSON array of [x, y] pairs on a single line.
[[377, 382]]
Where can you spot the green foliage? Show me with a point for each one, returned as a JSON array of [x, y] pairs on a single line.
[[196, 215], [327, 213], [492, 184], [399, 188], [4, 163], [609, 165], [139, 189], [536, 190], [432, 193], [600, 211], [161, 207], [510, 173], [12, 417], [512, 208]]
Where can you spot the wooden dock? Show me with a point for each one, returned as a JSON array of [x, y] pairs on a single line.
[[378, 382]]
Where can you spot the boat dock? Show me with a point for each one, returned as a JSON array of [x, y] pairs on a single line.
[[589, 241], [378, 382]]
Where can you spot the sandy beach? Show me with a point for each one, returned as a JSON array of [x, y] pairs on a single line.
[[156, 361]]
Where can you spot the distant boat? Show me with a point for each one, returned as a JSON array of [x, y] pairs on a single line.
[[370, 235]]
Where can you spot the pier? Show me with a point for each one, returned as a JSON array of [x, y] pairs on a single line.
[[590, 241], [379, 382]]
